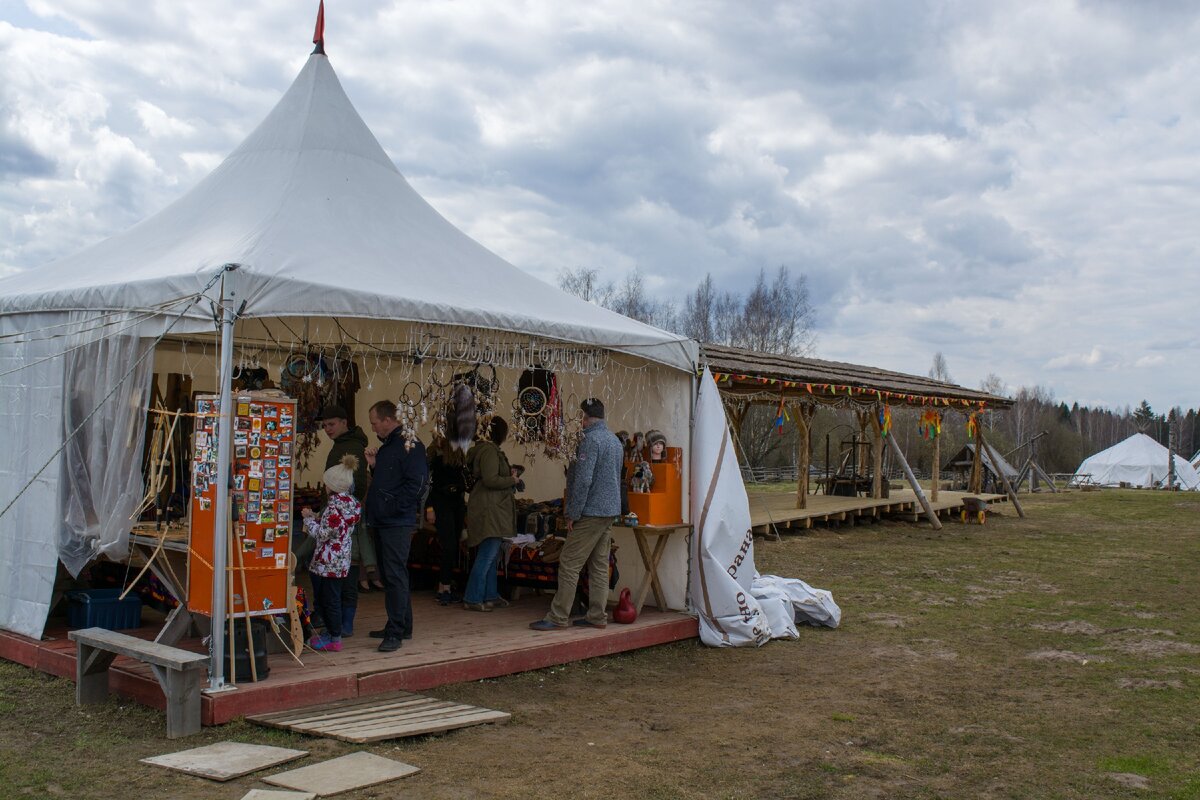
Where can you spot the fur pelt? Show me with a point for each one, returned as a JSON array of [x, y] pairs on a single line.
[[460, 418]]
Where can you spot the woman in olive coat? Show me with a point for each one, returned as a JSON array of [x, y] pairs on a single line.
[[491, 515]]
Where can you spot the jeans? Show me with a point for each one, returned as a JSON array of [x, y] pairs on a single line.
[[350, 588], [394, 544], [481, 586], [327, 597], [587, 543]]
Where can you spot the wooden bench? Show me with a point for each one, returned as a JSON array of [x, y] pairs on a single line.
[[178, 671]]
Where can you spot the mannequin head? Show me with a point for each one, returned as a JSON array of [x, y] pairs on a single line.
[[656, 446]]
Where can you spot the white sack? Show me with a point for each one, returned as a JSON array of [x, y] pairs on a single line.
[[795, 601], [722, 555]]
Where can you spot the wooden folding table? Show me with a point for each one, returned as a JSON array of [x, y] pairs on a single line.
[[651, 558]]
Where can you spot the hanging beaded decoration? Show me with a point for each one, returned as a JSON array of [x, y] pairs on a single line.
[[410, 410]]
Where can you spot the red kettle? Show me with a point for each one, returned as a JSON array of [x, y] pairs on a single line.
[[625, 613]]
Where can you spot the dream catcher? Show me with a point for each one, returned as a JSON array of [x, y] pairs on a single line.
[[465, 405], [303, 377], [411, 413], [486, 388]]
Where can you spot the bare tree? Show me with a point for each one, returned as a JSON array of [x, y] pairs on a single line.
[[585, 283], [940, 371]]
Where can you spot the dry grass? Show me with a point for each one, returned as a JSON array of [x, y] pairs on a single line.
[[1052, 657]]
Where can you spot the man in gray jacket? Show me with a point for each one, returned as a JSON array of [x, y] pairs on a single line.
[[593, 504]]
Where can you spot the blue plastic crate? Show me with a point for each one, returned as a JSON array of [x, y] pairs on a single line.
[[101, 608]]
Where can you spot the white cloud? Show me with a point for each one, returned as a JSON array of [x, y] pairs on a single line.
[[1096, 358], [1011, 184]]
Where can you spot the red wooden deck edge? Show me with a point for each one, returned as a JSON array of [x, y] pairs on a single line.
[[126, 679]]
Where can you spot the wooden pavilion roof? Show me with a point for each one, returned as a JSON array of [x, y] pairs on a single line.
[[741, 371]]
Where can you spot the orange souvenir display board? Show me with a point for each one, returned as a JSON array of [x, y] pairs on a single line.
[[663, 504], [264, 428]]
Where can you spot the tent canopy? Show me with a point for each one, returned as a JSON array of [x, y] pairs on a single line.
[[323, 224], [1137, 461]]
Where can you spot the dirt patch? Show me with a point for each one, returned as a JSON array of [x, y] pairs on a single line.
[[1129, 780], [1149, 683], [1153, 648], [1072, 626], [984, 594], [1066, 656], [885, 619], [984, 732]]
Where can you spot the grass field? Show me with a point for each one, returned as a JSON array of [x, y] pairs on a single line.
[[1052, 657]]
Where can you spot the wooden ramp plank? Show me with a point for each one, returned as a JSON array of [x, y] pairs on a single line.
[[385, 716]]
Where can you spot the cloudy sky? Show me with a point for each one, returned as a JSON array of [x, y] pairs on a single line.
[[1014, 184]]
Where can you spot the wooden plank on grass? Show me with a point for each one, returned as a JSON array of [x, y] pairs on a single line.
[[379, 717]]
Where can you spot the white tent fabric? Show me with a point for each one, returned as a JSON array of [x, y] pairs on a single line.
[[320, 223], [722, 557], [323, 224], [31, 423], [1137, 461]]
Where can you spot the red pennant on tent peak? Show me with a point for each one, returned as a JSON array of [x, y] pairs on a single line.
[[319, 31]]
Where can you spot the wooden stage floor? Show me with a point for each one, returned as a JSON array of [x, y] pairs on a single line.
[[772, 512], [450, 645]]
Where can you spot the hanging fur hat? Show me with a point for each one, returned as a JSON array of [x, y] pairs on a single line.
[[460, 418]]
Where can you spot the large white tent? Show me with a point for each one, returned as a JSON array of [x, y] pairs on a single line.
[[1138, 461], [308, 218]]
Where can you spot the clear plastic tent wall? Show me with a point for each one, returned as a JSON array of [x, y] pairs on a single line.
[[107, 378]]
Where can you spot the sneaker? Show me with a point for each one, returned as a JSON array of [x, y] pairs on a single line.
[[498, 602], [545, 625], [329, 646], [390, 645], [477, 606], [584, 622], [447, 598]]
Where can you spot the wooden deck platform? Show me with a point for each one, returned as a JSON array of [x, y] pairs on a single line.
[[776, 512], [450, 645]]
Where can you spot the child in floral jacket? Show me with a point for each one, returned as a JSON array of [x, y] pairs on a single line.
[[331, 559]]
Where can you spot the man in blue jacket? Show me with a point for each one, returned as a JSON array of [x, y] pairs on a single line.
[[398, 478], [593, 504]]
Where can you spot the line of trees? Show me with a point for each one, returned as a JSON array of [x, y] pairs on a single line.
[[776, 316]]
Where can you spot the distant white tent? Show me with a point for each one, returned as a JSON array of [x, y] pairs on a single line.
[[1138, 461]]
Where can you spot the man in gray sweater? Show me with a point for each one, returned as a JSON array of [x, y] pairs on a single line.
[[593, 505]]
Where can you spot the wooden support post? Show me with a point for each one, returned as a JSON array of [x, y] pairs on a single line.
[[937, 463], [975, 482], [979, 445], [916, 487], [804, 415], [1049, 481], [876, 456]]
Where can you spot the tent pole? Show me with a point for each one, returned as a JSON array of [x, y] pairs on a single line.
[[916, 487], [216, 670]]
